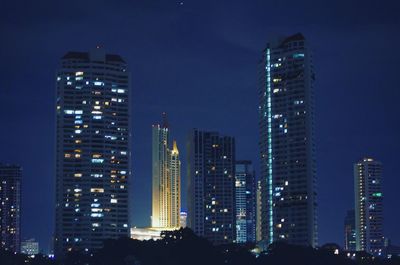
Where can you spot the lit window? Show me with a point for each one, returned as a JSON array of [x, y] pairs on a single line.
[[97, 190], [298, 55], [96, 215]]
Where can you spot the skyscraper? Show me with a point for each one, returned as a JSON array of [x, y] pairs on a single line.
[[288, 170], [92, 150], [211, 186], [10, 207], [350, 231], [175, 180], [166, 186], [369, 206], [245, 202]]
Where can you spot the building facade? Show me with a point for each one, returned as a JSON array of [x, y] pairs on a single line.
[[166, 174], [258, 212], [10, 207], [30, 247], [288, 168], [211, 186], [183, 219], [92, 150], [350, 231], [246, 199], [175, 180], [369, 206]]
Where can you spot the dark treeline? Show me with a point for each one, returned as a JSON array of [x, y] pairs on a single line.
[[183, 247]]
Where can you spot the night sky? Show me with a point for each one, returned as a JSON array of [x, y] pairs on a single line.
[[197, 60]]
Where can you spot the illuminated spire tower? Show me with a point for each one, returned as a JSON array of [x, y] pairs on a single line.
[[165, 179], [175, 180]]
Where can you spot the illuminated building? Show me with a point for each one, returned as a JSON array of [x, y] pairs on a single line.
[[30, 247], [369, 206], [211, 196], [92, 150], [175, 182], [288, 168], [166, 187], [350, 231], [147, 233], [10, 207], [183, 219], [245, 202]]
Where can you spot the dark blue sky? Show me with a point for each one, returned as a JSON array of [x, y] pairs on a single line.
[[198, 62]]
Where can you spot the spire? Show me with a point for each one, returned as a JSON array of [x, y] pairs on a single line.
[[175, 148], [165, 121]]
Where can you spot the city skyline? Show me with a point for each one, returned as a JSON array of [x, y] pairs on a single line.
[[340, 58]]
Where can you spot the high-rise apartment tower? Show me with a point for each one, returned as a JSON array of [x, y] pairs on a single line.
[[246, 199], [288, 170], [369, 206], [211, 186], [10, 207], [92, 150]]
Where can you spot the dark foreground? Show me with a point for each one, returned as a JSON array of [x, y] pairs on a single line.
[[183, 247]]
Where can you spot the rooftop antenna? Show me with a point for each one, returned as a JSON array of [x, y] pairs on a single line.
[[165, 121]]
